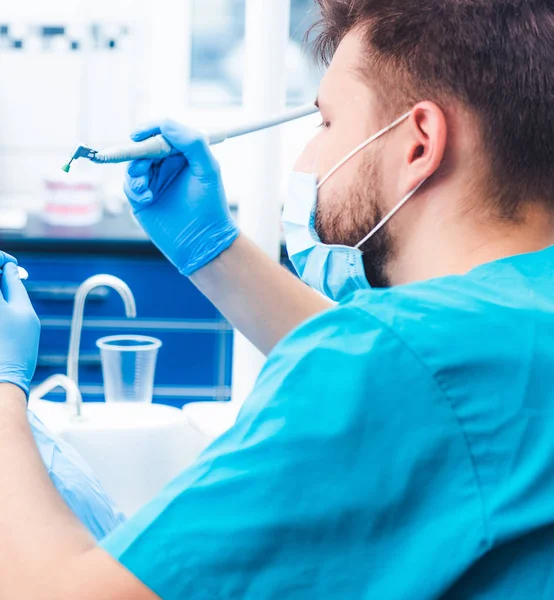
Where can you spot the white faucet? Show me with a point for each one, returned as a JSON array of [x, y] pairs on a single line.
[[73, 395], [78, 314]]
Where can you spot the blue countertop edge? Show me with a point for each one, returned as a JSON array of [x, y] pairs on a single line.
[[114, 234]]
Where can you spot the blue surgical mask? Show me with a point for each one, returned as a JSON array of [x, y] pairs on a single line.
[[334, 270]]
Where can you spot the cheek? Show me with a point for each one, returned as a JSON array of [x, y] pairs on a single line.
[[333, 196], [324, 151], [341, 183], [337, 205]]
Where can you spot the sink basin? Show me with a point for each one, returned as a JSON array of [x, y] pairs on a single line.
[[211, 419], [134, 449]]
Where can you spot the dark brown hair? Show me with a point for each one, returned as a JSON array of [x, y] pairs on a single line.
[[495, 57]]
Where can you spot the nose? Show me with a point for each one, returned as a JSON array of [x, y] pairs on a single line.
[[307, 161]]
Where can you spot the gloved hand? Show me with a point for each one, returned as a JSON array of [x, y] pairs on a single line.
[[19, 328], [180, 201]]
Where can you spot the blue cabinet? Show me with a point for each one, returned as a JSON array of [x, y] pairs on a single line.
[[195, 360]]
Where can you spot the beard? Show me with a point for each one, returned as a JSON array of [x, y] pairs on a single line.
[[350, 216]]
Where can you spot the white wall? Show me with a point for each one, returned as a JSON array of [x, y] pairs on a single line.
[[50, 101]]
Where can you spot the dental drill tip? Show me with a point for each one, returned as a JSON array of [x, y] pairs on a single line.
[[66, 168]]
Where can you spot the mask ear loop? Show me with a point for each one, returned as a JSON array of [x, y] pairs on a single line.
[[389, 216], [362, 146]]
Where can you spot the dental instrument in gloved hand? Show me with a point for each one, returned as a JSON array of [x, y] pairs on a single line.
[[19, 328], [23, 274], [158, 147]]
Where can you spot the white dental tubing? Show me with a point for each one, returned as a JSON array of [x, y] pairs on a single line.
[[157, 147]]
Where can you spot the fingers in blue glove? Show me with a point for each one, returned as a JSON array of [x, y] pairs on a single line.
[[12, 288], [137, 182], [139, 168], [193, 145], [164, 173], [137, 197], [6, 258], [143, 133], [191, 142]]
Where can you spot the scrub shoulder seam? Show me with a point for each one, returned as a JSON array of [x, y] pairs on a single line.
[[443, 393]]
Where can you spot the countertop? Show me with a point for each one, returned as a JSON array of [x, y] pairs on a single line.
[[115, 235]]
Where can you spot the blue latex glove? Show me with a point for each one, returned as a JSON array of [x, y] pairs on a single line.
[[19, 328], [180, 201]]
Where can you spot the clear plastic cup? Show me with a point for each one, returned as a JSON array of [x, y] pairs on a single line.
[[128, 367]]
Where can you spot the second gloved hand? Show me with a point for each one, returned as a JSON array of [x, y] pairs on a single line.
[[180, 201], [19, 328]]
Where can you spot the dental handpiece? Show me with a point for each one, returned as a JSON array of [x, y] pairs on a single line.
[[157, 147]]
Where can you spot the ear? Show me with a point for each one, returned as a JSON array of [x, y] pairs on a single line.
[[427, 146]]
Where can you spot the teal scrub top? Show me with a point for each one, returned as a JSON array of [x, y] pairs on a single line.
[[399, 446]]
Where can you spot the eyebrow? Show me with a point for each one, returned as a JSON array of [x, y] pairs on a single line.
[[316, 103]]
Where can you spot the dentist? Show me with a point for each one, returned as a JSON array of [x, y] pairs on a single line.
[[399, 441]]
